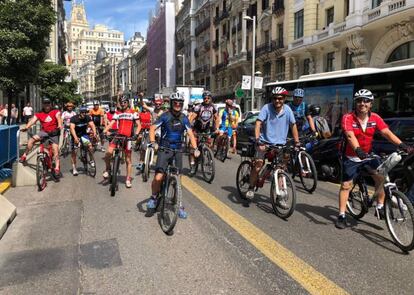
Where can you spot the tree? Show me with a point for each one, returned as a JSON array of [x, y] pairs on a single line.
[[52, 82], [25, 26]]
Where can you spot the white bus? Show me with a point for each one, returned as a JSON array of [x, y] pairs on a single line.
[[392, 87]]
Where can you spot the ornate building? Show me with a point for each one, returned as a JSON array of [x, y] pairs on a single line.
[[139, 70], [106, 75]]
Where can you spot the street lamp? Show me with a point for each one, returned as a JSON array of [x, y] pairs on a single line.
[[253, 19], [159, 79], [183, 56]]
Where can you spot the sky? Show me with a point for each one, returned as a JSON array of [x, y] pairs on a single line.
[[124, 15]]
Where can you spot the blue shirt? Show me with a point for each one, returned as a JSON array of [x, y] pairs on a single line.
[[300, 112], [275, 126], [172, 129]]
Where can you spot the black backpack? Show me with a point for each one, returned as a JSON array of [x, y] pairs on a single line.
[[322, 127]]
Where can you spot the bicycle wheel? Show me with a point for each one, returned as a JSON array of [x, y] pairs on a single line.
[[194, 167], [207, 164], [356, 204], [41, 172], [114, 175], [307, 172], [399, 216], [91, 165], [224, 149], [283, 196], [243, 178], [147, 162], [169, 204], [64, 149], [84, 158]]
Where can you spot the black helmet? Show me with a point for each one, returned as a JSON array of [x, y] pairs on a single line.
[[46, 100], [314, 110]]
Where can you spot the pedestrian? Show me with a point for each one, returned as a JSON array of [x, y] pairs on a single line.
[[27, 112], [4, 114], [14, 114]]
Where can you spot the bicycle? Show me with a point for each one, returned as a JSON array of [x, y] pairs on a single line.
[[89, 166], [206, 160], [170, 196], [281, 182], [222, 146], [148, 160], [302, 164], [66, 142], [359, 202], [117, 155]]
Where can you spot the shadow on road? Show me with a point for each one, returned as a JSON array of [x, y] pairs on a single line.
[[140, 206], [378, 240], [261, 201]]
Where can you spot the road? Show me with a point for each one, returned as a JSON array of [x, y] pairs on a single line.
[[73, 238]]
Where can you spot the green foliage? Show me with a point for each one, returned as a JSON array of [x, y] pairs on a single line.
[[25, 26], [51, 80]]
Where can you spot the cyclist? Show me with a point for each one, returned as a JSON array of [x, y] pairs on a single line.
[[51, 124], [272, 127], [78, 129], [227, 117], [145, 118], [109, 116], [234, 124], [125, 119], [204, 117], [300, 110], [172, 124], [98, 115], [68, 114], [359, 128]]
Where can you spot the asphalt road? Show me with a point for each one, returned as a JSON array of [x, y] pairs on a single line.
[[73, 238]]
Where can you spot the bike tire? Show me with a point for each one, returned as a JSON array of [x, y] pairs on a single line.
[[356, 204], [84, 159], [41, 172], [207, 156], [147, 159], [91, 169], [404, 215], [193, 168], [170, 204], [243, 178], [64, 148], [310, 187], [290, 185], [114, 175], [224, 149]]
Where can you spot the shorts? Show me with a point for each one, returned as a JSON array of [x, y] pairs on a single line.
[[164, 157], [127, 145], [84, 139], [45, 135], [351, 169], [259, 155], [228, 129]]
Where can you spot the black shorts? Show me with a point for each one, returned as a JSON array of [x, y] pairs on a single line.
[[164, 157], [351, 169]]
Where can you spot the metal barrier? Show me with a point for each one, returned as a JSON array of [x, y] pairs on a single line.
[[9, 144]]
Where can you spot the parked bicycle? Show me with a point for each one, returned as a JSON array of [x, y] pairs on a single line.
[[206, 160], [399, 212], [89, 164], [282, 188], [222, 144]]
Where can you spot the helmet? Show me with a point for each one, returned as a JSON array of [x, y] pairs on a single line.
[[279, 91], [314, 110], [176, 97], [364, 93], [298, 92], [123, 99], [158, 100], [96, 102], [83, 109], [46, 100], [206, 93]]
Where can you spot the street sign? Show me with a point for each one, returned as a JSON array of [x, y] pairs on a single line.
[[258, 82], [246, 82], [239, 93]]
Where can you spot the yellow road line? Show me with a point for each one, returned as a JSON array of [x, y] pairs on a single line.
[[4, 185], [313, 281]]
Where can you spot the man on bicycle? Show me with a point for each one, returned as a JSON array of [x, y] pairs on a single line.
[[300, 111], [67, 115], [109, 117], [145, 117], [173, 124], [51, 124], [359, 128], [227, 117], [98, 116], [78, 129], [125, 119], [272, 127], [204, 117]]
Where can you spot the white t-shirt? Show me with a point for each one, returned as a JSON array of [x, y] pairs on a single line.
[[27, 111], [66, 116]]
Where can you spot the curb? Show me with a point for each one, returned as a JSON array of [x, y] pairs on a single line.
[[7, 214], [4, 185]]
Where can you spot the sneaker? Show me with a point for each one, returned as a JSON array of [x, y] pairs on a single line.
[[128, 183], [105, 174], [103, 149], [151, 204], [92, 163], [341, 222], [57, 172], [139, 166], [22, 159], [250, 194], [75, 172], [380, 213], [182, 214]]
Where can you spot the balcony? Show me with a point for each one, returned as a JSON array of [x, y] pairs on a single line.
[[202, 27], [278, 7], [218, 18], [219, 67], [386, 8], [204, 69]]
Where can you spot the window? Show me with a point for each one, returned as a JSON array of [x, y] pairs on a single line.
[[306, 63], [346, 7], [299, 24], [280, 35], [402, 52], [330, 57], [266, 37], [224, 5], [329, 16], [376, 3], [265, 4], [349, 64]]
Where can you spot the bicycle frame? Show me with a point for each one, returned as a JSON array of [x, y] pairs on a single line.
[[171, 169], [47, 155]]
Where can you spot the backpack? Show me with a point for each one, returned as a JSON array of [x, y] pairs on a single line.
[[322, 127]]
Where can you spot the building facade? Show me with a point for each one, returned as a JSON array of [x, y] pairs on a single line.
[[139, 70], [86, 80], [106, 75], [57, 49]]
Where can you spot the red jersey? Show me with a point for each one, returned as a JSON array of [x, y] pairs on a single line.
[[145, 118], [110, 117], [48, 121], [126, 121], [350, 122]]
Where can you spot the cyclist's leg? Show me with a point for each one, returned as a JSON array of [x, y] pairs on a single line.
[[35, 138], [73, 152], [55, 148], [350, 170], [108, 156], [379, 183], [234, 140], [258, 164], [128, 158]]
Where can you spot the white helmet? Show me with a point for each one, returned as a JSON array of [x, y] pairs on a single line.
[[279, 91], [364, 93]]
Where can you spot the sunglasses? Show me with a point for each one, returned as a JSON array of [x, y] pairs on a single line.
[[278, 97], [178, 103], [363, 100], [124, 102], [206, 97]]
